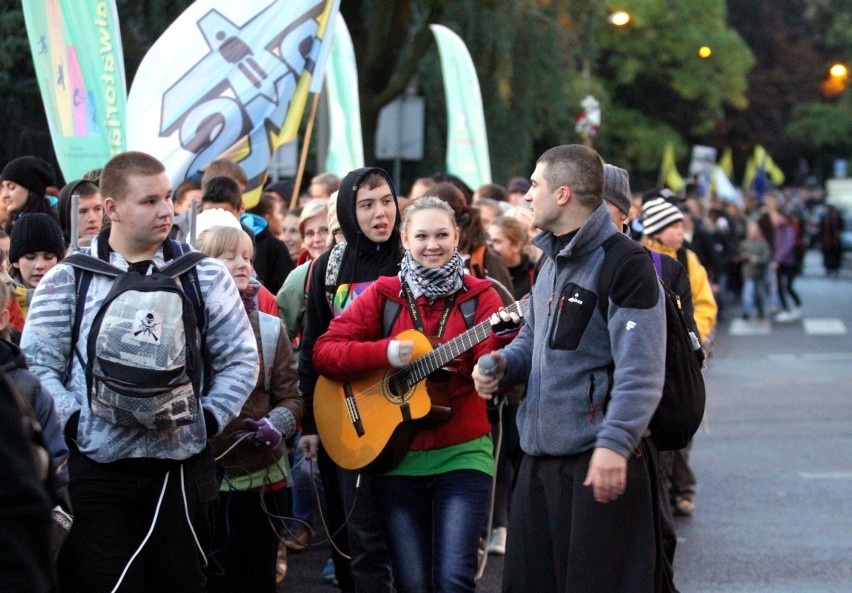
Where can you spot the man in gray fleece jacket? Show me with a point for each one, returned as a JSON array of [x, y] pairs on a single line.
[[582, 513]]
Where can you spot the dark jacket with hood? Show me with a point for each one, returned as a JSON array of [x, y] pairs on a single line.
[[14, 364], [363, 263]]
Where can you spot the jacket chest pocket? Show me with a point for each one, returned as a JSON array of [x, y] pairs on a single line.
[[573, 310]]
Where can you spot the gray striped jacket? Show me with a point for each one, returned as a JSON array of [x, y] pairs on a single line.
[[229, 341]]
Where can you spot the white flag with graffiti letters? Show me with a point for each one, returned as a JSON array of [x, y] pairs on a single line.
[[228, 78]]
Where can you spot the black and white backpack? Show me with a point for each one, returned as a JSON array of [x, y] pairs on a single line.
[[143, 366]]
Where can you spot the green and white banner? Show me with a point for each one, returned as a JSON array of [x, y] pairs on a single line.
[[79, 64], [467, 141], [345, 143]]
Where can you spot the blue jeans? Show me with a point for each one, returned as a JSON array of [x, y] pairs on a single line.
[[432, 525], [752, 297], [304, 498]]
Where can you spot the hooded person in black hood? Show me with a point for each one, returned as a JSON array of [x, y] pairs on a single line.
[[368, 212]]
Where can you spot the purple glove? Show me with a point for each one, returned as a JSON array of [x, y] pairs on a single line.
[[264, 432]]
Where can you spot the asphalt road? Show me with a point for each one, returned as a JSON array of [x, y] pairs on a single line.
[[773, 459]]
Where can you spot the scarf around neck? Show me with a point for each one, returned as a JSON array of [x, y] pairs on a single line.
[[432, 283]]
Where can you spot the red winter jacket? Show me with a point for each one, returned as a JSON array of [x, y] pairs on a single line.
[[354, 345]]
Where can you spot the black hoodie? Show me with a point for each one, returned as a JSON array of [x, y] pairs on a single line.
[[363, 262]]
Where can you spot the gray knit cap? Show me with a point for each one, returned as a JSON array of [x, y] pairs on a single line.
[[616, 189]]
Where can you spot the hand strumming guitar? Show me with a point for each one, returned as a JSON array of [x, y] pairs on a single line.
[[400, 352]]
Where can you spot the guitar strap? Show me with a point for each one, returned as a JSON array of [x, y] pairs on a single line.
[[415, 313]]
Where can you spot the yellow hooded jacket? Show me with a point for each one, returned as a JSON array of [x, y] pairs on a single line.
[[703, 303]]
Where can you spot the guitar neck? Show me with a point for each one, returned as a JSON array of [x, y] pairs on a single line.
[[444, 353]]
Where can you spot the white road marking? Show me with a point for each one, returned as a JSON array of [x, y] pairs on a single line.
[[824, 326], [826, 475], [812, 357], [741, 327]]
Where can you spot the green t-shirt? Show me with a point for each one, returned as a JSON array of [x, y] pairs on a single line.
[[271, 474], [476, 454]]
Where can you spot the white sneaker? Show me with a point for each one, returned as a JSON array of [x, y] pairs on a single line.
[[497, 545], [783, 317], [795, 314]]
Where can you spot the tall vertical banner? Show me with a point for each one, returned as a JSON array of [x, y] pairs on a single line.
[[228, 76], [669, 174], [345, 143], [467, 142], [79, 64]]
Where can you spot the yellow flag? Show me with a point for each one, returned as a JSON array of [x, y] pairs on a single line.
[[772, 170], [750, 173], [726, 162], [762, 160], [668, 170]]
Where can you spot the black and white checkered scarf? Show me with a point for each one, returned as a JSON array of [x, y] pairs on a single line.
[[433, 283]]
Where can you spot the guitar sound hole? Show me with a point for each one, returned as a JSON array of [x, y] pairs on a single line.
[[399, 384]]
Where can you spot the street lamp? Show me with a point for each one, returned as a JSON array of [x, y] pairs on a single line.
[[704, 51], [619, 18], [838, 77], [839, 71]]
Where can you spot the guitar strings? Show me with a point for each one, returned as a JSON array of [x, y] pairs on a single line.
[[420, 366]]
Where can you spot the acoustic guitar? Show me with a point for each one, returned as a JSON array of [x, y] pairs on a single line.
[[368, 423]]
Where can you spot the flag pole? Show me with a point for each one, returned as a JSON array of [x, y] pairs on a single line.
[[294, 200]]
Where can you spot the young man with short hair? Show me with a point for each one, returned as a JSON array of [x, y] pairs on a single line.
[[134, 489], [90, 211], [581, 423]]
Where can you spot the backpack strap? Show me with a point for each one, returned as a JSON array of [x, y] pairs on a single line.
[[391, 310], [270, 332], [184, 268], [468, 311], [658, 262], [95, 265], [85, 267], [183, 264], [390, 313], [616, 249], [683, 259]]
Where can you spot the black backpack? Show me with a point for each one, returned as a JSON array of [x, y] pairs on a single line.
[[681, 408], [144, 366]]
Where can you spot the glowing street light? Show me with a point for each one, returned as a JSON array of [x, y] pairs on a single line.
[[835, 84], [619, 18], [839, 71], [704, 51]]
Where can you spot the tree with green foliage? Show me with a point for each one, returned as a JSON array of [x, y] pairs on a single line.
[[537, 59]]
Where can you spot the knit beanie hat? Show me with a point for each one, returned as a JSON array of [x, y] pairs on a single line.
[[35, 232], [30, 172], [616, 189], [658, 214]]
